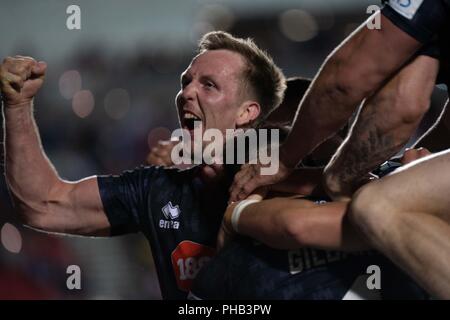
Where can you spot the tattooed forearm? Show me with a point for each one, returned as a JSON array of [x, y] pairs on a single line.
[[386, 122], [365, 152], [368, 145]]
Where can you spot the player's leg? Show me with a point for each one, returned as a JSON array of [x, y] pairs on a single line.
[[406, 216]]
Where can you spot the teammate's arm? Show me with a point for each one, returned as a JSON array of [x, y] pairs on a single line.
[[304, 181], [292, 223], [351, 73], [42, 198]]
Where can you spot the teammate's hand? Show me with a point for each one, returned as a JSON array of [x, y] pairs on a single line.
[[249, 178], [226, 232], [413, 154], [20, 80], [161, 154]]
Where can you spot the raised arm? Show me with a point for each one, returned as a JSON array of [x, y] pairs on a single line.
[[42, 199], [352, 72]]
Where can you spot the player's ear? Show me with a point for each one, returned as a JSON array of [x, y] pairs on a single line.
[[247, 113]]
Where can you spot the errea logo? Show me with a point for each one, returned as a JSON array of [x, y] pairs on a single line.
[[171, 213]]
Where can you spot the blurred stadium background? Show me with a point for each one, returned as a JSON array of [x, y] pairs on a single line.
[[109, 97]]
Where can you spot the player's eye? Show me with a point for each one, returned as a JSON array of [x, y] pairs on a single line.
[[210, 84]]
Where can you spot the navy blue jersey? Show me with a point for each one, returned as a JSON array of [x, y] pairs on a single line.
[[427, 21], [421, 19], [180, 216], [247, 270], [175, 211]]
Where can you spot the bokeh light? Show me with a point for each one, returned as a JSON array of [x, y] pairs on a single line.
[[83, 103], [11, 238], [298, 25], [69, 83]]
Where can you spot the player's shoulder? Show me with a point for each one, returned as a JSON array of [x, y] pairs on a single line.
[[164, 176], [174, 174], [146, 177], [161, 171]]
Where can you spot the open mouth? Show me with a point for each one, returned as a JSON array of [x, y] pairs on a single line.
[[189, 120]]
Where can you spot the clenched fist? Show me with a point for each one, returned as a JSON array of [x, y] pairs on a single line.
[[20, 80]]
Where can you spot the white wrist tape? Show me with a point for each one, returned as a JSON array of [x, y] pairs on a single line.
[[238, 210]]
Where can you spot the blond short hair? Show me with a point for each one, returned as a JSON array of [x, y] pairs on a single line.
[[265, 79]]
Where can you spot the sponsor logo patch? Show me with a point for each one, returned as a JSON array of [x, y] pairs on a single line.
[[406, 8], [171, 213], [187, 260]]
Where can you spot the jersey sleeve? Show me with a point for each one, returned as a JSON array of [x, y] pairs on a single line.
[[421, 19], [124, 198]]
